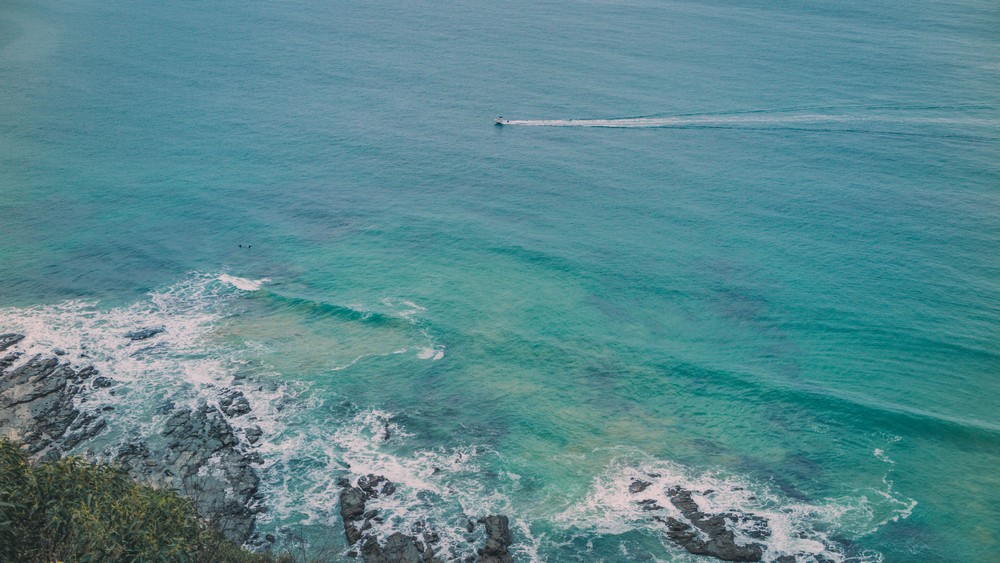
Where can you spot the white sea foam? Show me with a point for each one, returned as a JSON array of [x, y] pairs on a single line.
[[189, 362], [183, 364], [431, 353], [437, 487], [406, 309], [307, 443], [797, 528], [243, 283]]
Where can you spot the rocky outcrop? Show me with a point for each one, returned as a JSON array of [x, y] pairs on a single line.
[[398, 548], [702, 533], [233, 403], [199, 456], [708, 534], [9, 339], [358, 522], [638, 486], [36, 402], [202, 460], [419, 546], [144, 333], [498, 539]]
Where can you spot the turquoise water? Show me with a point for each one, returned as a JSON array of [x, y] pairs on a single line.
[[750, 248]]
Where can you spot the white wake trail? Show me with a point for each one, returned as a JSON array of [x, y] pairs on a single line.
[[758, 120]]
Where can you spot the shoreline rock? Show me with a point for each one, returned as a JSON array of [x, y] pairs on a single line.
[[36, 402], [498, 539], [144, 333], [709, 534], [360, 528], [202, 458], [715, 538]]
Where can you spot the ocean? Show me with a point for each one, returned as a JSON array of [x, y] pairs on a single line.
[[749, 249]]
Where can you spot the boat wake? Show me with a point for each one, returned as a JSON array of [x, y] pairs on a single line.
[[787, 119]]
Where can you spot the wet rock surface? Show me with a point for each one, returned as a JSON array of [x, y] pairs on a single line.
[[43, 404], [498, 539], [233, 403], [422, 544], [144, 333], [703, 533], [637, 486], [715, 538], [37, 402], [203, 461]]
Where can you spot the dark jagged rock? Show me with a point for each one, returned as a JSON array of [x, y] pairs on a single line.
[[352, 509], [352, 504], [371, 552], [398, 547], [37, 403], [202, 462], [143, 334], [638, 486], [649, 504], [498, 539], [707, 534], [233, 403], [254, 434], [102, 382], [38, 406], [9, 339], [403, 549], [352, 532], [9, 360], [372, 485]]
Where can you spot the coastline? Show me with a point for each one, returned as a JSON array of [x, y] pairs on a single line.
[[46, 403], [50, 405]]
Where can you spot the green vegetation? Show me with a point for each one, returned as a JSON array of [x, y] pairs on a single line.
[[73, 510]]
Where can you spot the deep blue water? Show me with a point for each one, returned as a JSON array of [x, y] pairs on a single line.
[[748, 247]]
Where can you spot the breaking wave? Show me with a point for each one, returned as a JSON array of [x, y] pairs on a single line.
[[310, 439], [791, 527]]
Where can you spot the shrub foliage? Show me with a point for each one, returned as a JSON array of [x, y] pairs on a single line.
[[73, 510]]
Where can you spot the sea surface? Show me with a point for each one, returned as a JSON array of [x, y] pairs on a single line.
[[752, 248]]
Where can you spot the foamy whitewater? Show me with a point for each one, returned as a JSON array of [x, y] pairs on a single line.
[[742, 251], [444, 486]]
